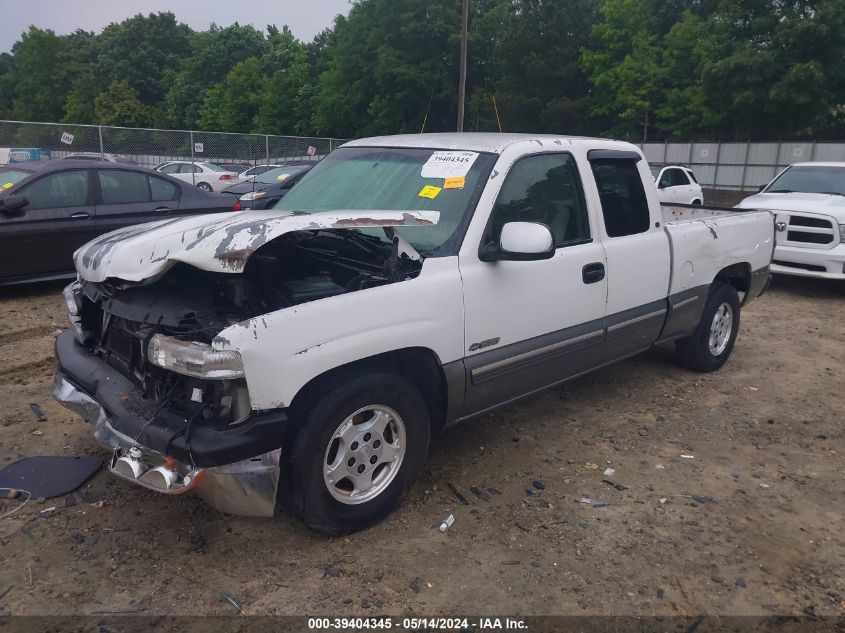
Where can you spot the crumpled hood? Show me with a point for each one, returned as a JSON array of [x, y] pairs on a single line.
[[804, 202], [216, 242]]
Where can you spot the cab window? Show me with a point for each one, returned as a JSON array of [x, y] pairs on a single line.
[[623, 203], [544, 188]]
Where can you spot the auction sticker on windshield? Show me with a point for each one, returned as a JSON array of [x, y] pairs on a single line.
[[429, 192], [448, 164]]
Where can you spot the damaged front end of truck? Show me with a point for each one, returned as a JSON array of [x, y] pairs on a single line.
[[144, 361]]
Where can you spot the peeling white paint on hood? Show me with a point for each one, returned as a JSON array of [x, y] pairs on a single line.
[[217, 242]]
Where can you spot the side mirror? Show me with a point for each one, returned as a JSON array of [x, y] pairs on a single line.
[[761, 187], [520, 241], [13, 204]]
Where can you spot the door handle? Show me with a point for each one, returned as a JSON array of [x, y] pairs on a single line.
[[79, 215], [591, 273], [163, 209]]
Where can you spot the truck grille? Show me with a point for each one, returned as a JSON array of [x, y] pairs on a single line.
[[808, 230], [123, 348]]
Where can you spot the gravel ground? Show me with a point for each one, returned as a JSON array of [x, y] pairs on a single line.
[[750, 524]]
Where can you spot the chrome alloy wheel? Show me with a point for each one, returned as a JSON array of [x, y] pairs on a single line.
[[364, 454], [720, 329]]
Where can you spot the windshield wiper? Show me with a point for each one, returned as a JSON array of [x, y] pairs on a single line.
[[779, 191]]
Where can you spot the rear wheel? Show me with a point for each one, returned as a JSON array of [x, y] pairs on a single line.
[[713, 340], [204, 186], [360, 447]]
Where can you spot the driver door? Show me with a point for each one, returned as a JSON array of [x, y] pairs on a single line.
[[39, 240], [530, 324]]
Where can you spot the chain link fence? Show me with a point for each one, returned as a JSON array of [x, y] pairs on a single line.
[[20, 141], [740, 166]]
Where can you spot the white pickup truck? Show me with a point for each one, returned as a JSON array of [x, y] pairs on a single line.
[[303, 356], [808, 200]]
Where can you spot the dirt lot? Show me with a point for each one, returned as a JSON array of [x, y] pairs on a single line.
[[764, 537]]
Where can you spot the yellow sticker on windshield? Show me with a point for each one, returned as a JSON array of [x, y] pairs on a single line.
[[429, 191], [8, 185], [455, 182]]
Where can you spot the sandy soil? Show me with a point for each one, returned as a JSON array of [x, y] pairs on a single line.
[[752, 524]]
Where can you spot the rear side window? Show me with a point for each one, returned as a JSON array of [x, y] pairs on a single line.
[[124, 187], [162, 190], [673, 178], [173, 168], [65, 189], [623, 202], [544, 188]]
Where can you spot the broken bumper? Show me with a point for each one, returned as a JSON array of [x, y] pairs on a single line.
[[236, 470]]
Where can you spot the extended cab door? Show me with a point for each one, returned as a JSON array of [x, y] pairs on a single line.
[[637, 251], [530, 324]]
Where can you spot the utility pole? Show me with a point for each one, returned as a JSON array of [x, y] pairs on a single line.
[[462, 86]]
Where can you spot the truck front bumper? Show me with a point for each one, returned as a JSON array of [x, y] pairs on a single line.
[[810, 262], [236, 470]]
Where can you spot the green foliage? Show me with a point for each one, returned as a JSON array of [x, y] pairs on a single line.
[[637, 69], [120, 104]]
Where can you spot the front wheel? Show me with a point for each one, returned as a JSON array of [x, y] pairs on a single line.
[[713, 340], [360, 447]]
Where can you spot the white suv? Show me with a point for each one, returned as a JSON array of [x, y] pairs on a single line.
[[677, 184]]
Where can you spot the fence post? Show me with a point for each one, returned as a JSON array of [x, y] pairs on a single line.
[[813, 150], [745, 165], [193, 173], [716, 170], [665, 142], [267, 148], [331, 146], [100, 130]]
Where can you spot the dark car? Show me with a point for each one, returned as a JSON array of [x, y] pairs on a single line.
[[266, 189], [48, 209]]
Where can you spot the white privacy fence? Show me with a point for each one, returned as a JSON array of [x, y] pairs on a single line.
[[740, 166]]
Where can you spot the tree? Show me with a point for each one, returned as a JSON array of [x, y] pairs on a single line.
[[121, 105], [287, 92], [140, 50], [213, 54], [39, 76], [233, 105]]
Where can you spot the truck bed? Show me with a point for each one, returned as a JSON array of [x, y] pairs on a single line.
[[707, 239]]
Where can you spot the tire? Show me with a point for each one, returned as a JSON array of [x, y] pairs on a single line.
[[701, 352], [374, 397], [204, 186], [696, 202]]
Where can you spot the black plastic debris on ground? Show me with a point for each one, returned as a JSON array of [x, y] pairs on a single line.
[[49, 476], [38, 412], [458, 494]]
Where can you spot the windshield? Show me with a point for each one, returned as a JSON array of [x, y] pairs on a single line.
[[392, 179], [810, 179], [8, 177], [278, 175]]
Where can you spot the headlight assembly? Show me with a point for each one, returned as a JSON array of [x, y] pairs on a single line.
[[194, 359]]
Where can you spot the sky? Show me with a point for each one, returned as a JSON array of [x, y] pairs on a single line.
[[306, 18]]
